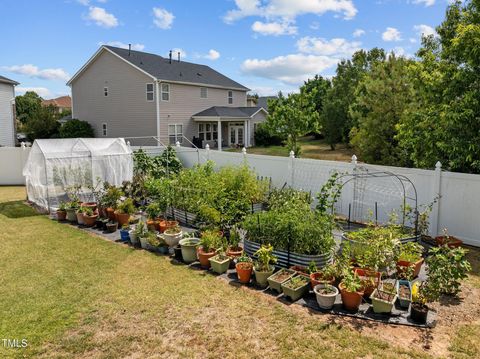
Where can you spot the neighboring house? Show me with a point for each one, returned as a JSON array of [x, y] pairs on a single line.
[[61, 104], [7, 112], [263, 101], [124, 93]]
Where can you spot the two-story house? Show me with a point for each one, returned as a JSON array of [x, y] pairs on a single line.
[[138, 96], [7, 112]]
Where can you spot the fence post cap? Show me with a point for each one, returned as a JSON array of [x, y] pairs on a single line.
[[354, 159], [177, 143], [438, 165], [292, 154], [244, 150], [22, 144], [207, 146], [128, 143]]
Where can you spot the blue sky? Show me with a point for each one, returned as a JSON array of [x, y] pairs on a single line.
[[267, 45]]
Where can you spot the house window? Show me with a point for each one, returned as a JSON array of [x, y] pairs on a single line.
[[203, 92], [105, 91], [104, 129], [165, 92], [208, 131], [230, 97], [149, 92], [175, 133]]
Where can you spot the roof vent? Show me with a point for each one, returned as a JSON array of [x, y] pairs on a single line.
[[170, 56], [129, 49], [199, 74]]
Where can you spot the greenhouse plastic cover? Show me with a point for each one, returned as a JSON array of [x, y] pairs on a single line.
[[54, 165]]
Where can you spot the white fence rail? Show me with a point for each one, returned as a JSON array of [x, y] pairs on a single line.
[[458, 208], [12, 160]]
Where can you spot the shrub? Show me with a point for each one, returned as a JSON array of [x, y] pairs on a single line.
[[264, 137], [76, 128]]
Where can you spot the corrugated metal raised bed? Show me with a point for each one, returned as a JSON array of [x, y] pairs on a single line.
[[286, 259], [354, 243], [183, 217]]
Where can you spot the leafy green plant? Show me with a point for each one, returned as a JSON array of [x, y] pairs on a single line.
[[112, 196], [244, 258], [173, 230], [312, 267], [297, 282], [126, 207], [63, 206], [329, 193], [211, 240], [153, 210], [351, 282], [140, 229], [86, 211], [410, 252], [152, 239], [265, 258], [234, 238], [447, 267]]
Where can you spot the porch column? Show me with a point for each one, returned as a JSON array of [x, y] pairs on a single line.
[[219, 139], [245, 134]]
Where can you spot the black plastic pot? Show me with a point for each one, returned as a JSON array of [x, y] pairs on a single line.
[[99, 223], [418, 313], [178, 253]]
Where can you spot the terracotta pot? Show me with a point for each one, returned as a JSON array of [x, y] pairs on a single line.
[[402, 265], [452, 242], [370, 278], [317, 278], [152, 225], [300, 270], [244, 272], [234, 252], [90, 220], [111, 214], [92, 205], [351, 300], [122, 218], [203, 257], [61, 215]]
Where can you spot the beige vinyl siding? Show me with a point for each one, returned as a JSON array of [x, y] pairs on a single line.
[[7, 124], [185, 101], [125, 110], [258, 118]]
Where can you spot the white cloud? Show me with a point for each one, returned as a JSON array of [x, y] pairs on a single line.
[[288, 9], [212, 55], [399, 51], [319, 46], [175, 51], [424, 30], [291, 69], [424, 2], [315, 25], [358, 33], [162, 18], [137, 47], [84, 2], [391, 34], [274, 28], [33, 71], [412, 40], [101, 17], [41, 91]]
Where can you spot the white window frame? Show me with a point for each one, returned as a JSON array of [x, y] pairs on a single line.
[[177, 135], [209, 130], [167, 92], [202, 89], [104, 129], [147, 92], [230, 97], [105, 91]]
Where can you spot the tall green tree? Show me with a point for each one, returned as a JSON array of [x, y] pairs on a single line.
[[380, 101], [76, 128], [294, 116], [27, 106], [443, 124], [43, 124]]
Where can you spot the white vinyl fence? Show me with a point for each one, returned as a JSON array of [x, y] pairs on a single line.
[[12, 160], [457, 207]]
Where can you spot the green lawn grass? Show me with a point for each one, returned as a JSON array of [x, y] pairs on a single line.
[[311, 148], [72, 294]]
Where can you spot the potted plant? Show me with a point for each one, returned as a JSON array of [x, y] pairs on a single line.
[[124, 210], [351, 290], [326, 295], [275, 280], [142, 235], [124, 232], [263, 267], [172, 236], [162, 245], [410, 257], [384, 297], [244, 268], [296, 287], [210, 241], [136, 232], [112, 227], [422, 294], [62, 212], [234, 250], [177, 253], [153, 211], [220, 262], [301, 270], [189, 249], [89, 216], [71, 210], [79, 214], [92, 205], [110, 199], [326, 275], [451, 241], [404, 290]]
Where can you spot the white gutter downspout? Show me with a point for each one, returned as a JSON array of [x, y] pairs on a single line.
[[157, 99]]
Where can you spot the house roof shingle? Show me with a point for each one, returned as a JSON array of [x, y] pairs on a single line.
[[224, 111], [161, 68], [63, 101], [8, 81]]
